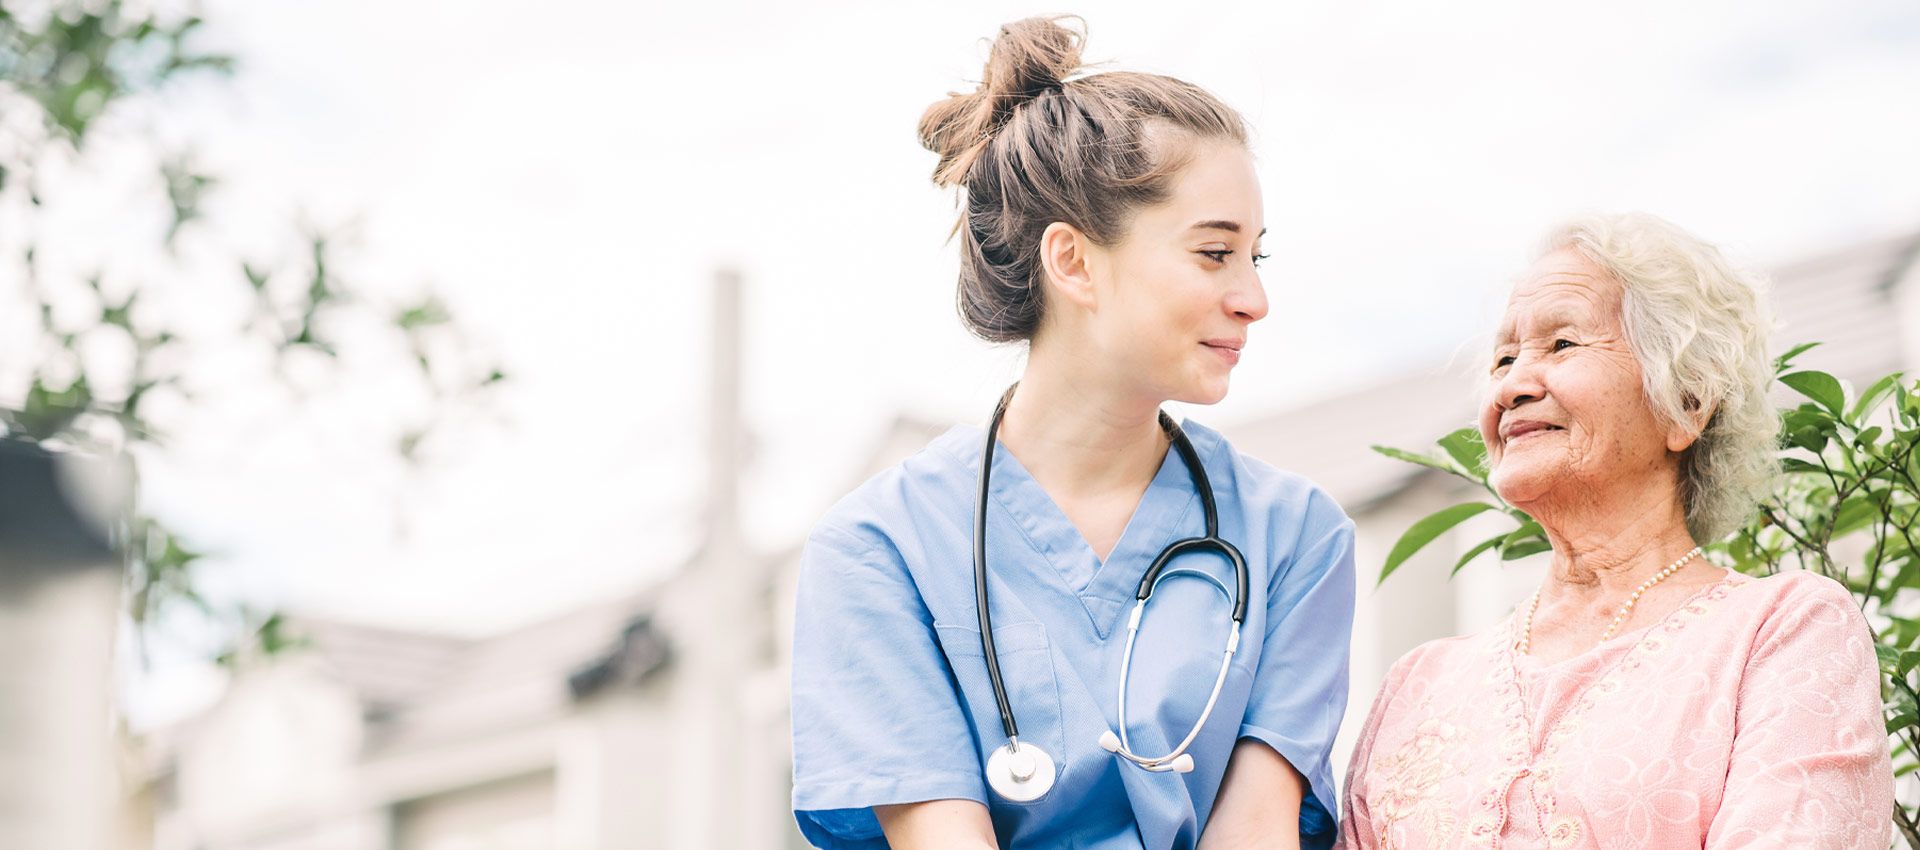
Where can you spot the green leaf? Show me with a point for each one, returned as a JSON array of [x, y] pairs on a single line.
[[257, 278], [1424, 531], [1889, 657], [1901, 721], [1868, 437], [1907, 661], [1865, 404], [1804, 417], [1784, 361], [1811, 439], [428, 312], [1796, 465], [1415, 457], [1528, 539], [1819, 386], [1855, 514], [1467, 449], [1524, 548], [1473, 553], [1902, 700]]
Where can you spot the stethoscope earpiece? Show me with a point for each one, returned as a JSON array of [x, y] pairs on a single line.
[[1022, 772]]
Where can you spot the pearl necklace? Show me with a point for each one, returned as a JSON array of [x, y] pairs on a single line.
[[1626, 609]]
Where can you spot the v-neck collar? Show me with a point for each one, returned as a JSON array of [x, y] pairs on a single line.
[[1104, 589]]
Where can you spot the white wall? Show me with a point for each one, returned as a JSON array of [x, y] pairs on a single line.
[[509, 814]]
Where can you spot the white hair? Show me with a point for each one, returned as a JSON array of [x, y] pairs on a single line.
[[1699, 328]]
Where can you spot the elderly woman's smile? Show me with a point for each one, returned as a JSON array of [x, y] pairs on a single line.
[[1565, 406]]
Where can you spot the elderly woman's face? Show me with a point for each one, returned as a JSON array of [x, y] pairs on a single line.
[[1566, 416]]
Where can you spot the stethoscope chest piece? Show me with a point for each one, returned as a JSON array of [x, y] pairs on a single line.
[[1022, 776]]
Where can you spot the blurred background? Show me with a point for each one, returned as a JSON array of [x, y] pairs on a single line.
[[475, 370]]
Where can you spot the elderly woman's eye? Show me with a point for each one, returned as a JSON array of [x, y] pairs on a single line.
[[1561, 344], [1503, 360]]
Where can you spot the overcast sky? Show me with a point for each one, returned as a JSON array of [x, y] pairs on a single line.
[[571, 180]]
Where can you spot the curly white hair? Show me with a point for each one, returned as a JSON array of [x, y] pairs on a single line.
[[1699, 327]]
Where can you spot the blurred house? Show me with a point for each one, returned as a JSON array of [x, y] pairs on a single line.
[[660, 720]]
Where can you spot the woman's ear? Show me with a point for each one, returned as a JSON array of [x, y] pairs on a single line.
[[1682, 434], [1064, 252]]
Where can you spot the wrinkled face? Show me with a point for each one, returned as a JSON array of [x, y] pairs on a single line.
[[1178, 292], [1565, 416]]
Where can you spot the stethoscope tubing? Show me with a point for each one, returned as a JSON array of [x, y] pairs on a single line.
[[980, 576], [1212, 541]]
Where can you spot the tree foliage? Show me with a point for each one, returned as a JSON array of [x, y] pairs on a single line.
[[117, 354]]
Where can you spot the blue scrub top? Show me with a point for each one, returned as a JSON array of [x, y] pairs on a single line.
[[891, 701]]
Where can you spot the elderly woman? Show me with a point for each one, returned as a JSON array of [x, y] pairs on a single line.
[[1641, 697]]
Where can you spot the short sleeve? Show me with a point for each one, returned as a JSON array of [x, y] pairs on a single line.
[[1809, 767], [876, 716], [1300, 687]]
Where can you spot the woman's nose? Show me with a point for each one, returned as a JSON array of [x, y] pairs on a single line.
[[1520, 385], [1248, 301]]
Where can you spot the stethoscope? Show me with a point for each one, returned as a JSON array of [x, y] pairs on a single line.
[[1020, 771]]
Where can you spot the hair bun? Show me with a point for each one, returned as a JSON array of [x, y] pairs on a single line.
[[1030, 57]]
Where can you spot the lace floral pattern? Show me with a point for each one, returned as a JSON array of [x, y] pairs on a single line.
[[1752, 710], [1410, 778]]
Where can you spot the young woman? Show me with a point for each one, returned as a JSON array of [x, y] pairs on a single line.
[[1082, 625]]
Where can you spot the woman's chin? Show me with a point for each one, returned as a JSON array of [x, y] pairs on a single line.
[[1205, 394], [1522, 481]]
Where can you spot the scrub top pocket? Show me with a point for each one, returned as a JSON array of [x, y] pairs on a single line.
[[1033, 691]]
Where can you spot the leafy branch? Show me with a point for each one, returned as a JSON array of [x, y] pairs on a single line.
[[117, 360]]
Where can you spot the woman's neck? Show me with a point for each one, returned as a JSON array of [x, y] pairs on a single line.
[[1604, 547], [1079, 437]]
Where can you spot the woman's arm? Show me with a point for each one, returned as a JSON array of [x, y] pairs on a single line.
[[1259, 802], [1299, 691], [876, 718], [938, 825]]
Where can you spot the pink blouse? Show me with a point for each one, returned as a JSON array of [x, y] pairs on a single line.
[[1749, 717]]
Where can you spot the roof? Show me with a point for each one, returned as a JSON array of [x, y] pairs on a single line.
[[385, 667], [1845, 300]]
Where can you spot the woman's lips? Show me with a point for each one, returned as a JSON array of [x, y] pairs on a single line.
[[1230, 355], [1531, 429]]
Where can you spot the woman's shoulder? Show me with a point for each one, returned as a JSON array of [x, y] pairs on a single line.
[[1799, 601], [1797, 587], [1442, 663], [930, 478], [1261, 482], [1444, 656]]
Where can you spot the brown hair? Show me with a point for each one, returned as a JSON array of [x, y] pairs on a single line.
[[1032, 147]]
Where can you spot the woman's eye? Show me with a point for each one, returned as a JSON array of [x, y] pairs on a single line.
[[1258, 257], [1218, 256], [1562, 344], [1503, 360]]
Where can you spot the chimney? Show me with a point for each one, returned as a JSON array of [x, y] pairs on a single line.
[[726, 438]]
